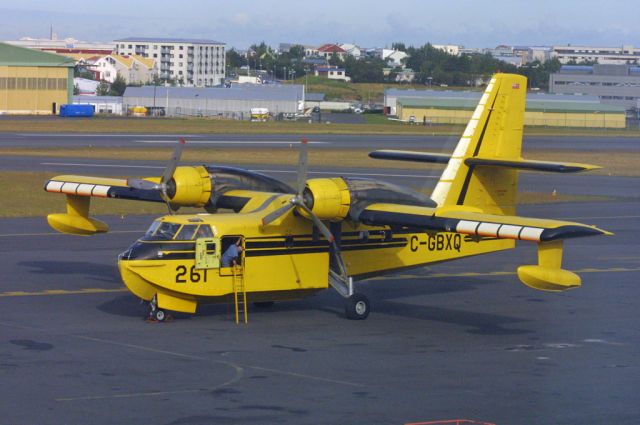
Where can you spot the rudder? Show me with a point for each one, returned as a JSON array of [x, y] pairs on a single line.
[[493, 132]]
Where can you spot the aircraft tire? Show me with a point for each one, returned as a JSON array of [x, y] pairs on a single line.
[[159, 315], [357, 307]]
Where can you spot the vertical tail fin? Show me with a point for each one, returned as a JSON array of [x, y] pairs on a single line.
[[494, 132]]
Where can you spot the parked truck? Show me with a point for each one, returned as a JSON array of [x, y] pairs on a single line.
[[71, 110]]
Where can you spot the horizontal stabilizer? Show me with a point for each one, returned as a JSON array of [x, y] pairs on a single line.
[[527, 164], [438, 158], [520, 164]]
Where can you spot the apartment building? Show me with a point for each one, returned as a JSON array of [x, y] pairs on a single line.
[[613, 84], [621, 55], [190, 62]]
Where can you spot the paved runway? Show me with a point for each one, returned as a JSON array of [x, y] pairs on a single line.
[[332, 141], [458, 340]]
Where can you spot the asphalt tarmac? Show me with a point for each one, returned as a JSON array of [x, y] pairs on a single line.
[[457, 340], [332, 141]]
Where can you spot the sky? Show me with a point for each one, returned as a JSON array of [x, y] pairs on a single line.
[[370, 23]]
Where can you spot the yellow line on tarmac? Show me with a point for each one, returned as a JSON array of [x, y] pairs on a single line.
[[60, 292], [13, 235]]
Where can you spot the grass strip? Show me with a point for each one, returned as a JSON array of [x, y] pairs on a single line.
[[376, 125]]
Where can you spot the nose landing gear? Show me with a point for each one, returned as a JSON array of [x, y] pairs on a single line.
[[156, 314]]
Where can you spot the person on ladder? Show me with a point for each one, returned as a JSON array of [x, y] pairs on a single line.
[[230, 256]]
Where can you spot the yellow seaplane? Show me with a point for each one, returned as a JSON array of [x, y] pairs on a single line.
[[290, 242]]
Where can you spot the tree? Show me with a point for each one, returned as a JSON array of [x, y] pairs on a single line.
[[364, 70], [297, 52], [80, 71], [103, 89], [235, 59], [118, 86]]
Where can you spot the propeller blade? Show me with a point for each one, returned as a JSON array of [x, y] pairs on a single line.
[[327, 234], [302, 166], [274, 215], [142, 184], [319, 224], [173, 163]]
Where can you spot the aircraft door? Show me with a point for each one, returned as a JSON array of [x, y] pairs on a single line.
[[208, 253]]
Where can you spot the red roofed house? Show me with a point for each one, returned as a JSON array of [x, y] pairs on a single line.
[[328, 50]]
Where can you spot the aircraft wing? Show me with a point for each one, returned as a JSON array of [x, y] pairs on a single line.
[[475, 224], [99, 187]]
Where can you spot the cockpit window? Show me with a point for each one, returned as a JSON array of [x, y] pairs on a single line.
[[204, 231], [152, 229], [161, 231], [187, 232]]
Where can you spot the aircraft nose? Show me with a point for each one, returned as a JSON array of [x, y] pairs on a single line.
[[133, 280], [125, 255]]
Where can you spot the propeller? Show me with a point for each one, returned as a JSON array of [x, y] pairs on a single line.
[[166, 178], [298, 199], [299, 202]]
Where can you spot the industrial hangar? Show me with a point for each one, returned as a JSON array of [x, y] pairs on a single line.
[[456, 107], [34, 82], [233, 102]]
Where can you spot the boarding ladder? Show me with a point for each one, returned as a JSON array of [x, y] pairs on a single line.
[[239, 294]]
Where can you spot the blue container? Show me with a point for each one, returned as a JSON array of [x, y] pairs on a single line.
[[76, 110]]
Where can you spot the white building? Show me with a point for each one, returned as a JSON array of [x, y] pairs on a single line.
[[63, 46], [393, 57], [311, 51], [86, 87], [332, 73], [101, 104], [452, 49], [189, 62], [539, 53], [621, 55], [134, 69], [352, 50]]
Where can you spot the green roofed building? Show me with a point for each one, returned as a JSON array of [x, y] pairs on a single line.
[[33, 82], [441, 107]]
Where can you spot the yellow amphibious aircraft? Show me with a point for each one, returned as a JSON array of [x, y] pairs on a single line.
[[330, 231]]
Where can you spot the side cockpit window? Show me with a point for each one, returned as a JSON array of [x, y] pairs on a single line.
[[164, 231], [152, 229], [204, 231], [161, 231], [187, 232]]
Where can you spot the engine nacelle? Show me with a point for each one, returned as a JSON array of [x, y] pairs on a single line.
[[335, 199], [190, 186], [329, 199]]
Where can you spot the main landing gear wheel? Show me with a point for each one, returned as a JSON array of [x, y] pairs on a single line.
[[357, 307]]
